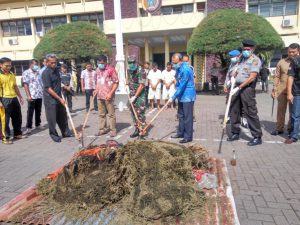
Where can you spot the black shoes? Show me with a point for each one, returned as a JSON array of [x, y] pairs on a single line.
[[233, 137], [176, 136], [255, 141], [183, 141], [276, 132], [136, 133], [56, 138]]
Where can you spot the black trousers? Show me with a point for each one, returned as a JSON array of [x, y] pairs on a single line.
[[34, 107], [244, 101], [88, 95], [146, 96], [78, 87], [13, 112], [56, 113], [265, 85], [215, 84], [68, 98], [185, 117]]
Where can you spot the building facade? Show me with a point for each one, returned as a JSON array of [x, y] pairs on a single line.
[[150, 37]]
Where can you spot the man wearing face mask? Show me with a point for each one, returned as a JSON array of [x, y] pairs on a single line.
[[34, 92], [106, 85], [243, 95], [136, 82], [280, 89], [88, 85], [186, 95], [234, 57]]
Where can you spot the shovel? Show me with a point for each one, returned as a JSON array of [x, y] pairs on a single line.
[[71, 121], [143, 131], [85, 121]]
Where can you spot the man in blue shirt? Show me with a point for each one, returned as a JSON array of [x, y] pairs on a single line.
[[186, 95]]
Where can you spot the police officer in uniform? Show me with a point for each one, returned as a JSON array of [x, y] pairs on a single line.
[[137, 82], [244, 95]]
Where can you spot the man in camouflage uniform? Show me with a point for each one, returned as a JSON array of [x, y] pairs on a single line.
[[244, 95], [136, 81]]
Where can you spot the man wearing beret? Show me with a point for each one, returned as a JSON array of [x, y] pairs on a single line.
[[243, 95]]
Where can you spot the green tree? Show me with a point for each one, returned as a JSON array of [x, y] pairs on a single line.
[[78, 40], [224, 30]]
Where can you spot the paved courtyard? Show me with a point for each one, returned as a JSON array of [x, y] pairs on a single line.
[[265, 182]]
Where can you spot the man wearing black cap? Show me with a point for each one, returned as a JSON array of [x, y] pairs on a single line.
[[244, 95]]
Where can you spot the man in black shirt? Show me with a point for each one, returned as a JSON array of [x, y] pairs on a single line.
[[54, 104], [264, 76], [293, 95]]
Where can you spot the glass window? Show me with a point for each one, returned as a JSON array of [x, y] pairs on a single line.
[[201, 6], [253, 2], [166, 10], [188, 8], [291, 8], [177, 9], [253, 9], [92, 18], [268, 8], [264, 10], [48, 23], [16, 28], [278, 9]]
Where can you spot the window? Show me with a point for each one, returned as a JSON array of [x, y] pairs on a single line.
[[47, 23], [177, 9], [96, 18], [16, 28], [291, 7], [201, 6], [269, 8], [264, 10], [18, 67], [278, 9]]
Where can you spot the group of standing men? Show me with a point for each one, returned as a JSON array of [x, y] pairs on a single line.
[[245, 68]]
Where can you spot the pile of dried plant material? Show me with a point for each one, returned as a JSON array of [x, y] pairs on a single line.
[[143, 181]]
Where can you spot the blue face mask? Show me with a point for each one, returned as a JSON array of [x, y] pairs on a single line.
[[233, 60], [175, 66], [246, 53], [35, 68], [101, 66]]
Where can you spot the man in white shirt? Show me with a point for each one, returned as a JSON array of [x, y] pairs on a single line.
[[88, 85], [168, 77], [154, 78]]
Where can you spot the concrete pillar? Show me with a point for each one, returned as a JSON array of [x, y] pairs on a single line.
[[33, 29], [73, 66], [167, 49], [150, 55], [1, 36], [69, 18], [147, 56], [126, 51], [195, 7]]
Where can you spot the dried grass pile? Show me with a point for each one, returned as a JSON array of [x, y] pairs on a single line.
[[145, 181]]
